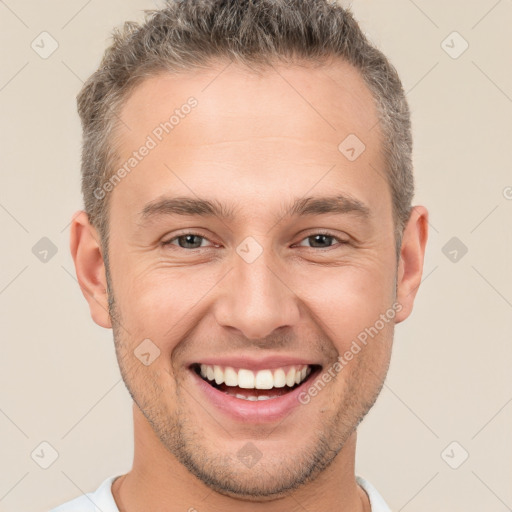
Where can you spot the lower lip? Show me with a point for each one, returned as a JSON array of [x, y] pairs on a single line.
[[258, 411]]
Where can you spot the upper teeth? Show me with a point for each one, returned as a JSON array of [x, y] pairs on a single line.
[[263, 379]]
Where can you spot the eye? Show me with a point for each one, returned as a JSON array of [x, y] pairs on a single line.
[[322, 240], [196, 241], [187, 241]]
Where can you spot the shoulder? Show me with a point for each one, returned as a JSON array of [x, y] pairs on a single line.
[[376, 500], [100, 500]]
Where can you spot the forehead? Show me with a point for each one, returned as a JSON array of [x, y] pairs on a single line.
[[282, 129], [331, 98]]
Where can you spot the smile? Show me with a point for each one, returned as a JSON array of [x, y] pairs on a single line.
[[246, 384]]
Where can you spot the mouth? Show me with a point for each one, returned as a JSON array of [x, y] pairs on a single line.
[[247, 385]]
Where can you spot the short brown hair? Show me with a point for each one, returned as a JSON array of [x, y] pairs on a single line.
[[187, 34]]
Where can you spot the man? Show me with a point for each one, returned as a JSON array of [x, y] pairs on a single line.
[[249, 237]]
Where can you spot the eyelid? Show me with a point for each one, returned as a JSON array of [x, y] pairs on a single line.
[[341, 241], [188, 232]]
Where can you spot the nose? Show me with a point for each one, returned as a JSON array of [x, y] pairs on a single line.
[[255, 298]]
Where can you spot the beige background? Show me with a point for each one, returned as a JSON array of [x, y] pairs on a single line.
[[449, 379]]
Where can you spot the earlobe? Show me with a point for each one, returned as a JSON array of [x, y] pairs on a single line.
[[412, 254], [89, 266]]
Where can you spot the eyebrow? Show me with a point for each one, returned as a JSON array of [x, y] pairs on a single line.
[[187, 206], [339, 204]]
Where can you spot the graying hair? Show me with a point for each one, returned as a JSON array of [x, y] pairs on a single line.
[[188, 34]]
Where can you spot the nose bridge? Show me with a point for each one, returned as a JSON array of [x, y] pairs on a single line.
[[255, 298]]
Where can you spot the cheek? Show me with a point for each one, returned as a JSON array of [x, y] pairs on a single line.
[[159, 303], [347, 300]]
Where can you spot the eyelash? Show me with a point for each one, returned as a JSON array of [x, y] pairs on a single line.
[[316, 233], [169, 242]]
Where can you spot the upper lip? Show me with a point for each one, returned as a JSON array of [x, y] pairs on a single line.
[[255, 364]]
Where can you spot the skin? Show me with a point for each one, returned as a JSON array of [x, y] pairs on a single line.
[[254, 143]]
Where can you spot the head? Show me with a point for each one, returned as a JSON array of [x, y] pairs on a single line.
[[247, 180]]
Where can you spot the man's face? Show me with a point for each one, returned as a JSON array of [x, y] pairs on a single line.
[[265, 287]]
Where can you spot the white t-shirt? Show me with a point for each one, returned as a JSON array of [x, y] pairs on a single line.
[[102, 500]]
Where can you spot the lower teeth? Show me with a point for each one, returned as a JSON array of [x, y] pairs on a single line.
[[253, 398]]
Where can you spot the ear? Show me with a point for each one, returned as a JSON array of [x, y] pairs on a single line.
[[410, 267], [90, 269]]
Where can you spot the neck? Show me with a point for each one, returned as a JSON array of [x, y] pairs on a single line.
[[158, 478]]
